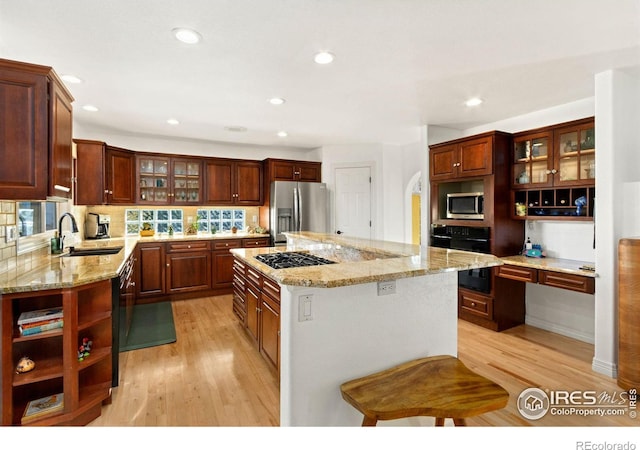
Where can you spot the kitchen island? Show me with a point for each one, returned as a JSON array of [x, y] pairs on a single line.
[[380, 304]]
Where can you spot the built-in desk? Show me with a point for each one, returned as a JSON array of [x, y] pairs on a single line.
[[555, 272]]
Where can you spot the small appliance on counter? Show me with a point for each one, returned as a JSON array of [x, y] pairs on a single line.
[[96, 226]]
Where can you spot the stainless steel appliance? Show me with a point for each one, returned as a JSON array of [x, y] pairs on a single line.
[[96, 226], [285, 260], [465, 205], [297, 206], [472, 239]]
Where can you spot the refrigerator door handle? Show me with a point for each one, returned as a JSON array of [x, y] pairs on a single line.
[[296, 209]]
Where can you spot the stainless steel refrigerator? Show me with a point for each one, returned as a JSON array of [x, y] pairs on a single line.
[[297, 206]]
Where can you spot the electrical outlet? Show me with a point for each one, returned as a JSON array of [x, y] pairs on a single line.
[[10, 232], [386, 287]]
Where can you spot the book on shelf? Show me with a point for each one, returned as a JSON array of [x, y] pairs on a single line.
[[39, 315], [39, 323], [28, 330], [36, 409]]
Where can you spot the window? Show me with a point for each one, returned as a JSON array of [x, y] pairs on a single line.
[[212, 220], [160, 220], [36, 223]]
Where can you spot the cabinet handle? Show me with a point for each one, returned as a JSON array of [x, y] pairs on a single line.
[[554, 171], [168, 264], [226, 245], [188, 246], [473, 303], [106, 191]]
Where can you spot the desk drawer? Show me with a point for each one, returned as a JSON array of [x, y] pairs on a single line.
[[227, 244], [562, 280], [257, 242], [518, 273], [189, 246], [476, 303]]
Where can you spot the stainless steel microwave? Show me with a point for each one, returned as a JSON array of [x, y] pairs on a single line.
[[465, 205]]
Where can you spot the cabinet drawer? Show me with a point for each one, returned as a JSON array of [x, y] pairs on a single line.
[[271, 288], [239, 283], [567, 281], [477, 304], [189, 246], [257, 242], [518, 273], [254, 277], [226, 244]]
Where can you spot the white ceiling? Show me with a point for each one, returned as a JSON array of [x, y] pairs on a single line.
[[399, 63]]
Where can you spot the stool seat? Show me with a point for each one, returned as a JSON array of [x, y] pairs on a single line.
[[437, 386]]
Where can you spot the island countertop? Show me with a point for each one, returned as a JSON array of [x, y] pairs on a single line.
[[59, 271], [360, 261]]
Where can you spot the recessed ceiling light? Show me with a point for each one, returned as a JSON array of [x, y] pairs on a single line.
[[172, 121], [186, 35], [236, 129], [90, 108], [283, 134], [475, 101], [323, 58], [71, 79], [276, 101]]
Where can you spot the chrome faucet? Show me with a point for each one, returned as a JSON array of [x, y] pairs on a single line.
[[74, 227]]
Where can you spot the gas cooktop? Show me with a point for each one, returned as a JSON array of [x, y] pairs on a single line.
[[285, 260]]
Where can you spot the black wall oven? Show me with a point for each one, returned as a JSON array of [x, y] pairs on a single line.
[[472, 239]]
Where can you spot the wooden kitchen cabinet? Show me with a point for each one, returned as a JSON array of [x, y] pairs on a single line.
[[150, 279], [223, 262], [188, 266], [164, 180], [36, 133], [269, 341], [462, 158], [127, 297], [291, 170], [104, 174], [239, 290], [86, 385], [553, 167], [233, 182], [252, 290]]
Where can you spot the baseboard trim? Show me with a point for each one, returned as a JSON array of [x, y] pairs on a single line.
[[605, 368], [555, 328]]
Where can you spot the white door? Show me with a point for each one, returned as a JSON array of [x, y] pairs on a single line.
[[353, 201]]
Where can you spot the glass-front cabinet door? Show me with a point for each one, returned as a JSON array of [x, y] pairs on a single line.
[[576, 155], [532, 160], [186, 181], [153, 180]]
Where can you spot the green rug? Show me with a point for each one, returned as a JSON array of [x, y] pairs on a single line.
[[151, 325]]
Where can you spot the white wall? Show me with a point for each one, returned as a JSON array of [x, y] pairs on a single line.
[[618, 162], [192, 146]]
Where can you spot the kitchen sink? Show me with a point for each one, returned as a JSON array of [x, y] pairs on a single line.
[[92, 251]]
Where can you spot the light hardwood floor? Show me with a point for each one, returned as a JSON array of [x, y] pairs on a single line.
[[213, 376]]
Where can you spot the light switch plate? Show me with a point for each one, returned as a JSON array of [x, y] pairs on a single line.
[[10, 233]]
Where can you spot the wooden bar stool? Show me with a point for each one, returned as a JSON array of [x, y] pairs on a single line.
[[438, 386]]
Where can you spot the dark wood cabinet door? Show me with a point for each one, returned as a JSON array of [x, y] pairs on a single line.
[[120, 175], [23, 134], [309, 171], [222, 269], [282, 170], [60, 154], [270, 331], [475, 157], [219, 179], [443, 162], [150, 270], [188, 271], [249, 183], [90, 188], [253, 305]]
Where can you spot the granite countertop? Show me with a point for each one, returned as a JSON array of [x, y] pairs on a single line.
[[58, 271], [361, 261], [553, 264]]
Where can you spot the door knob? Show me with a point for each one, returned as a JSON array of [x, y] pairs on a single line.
[[338, 232]]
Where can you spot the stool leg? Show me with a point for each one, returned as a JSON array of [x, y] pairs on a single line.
[[439, 421], [460, 422], [369, 421]]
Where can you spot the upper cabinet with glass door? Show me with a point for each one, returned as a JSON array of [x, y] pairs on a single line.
[[562, 155], [532, 159], [575, 160], [165, 180]]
